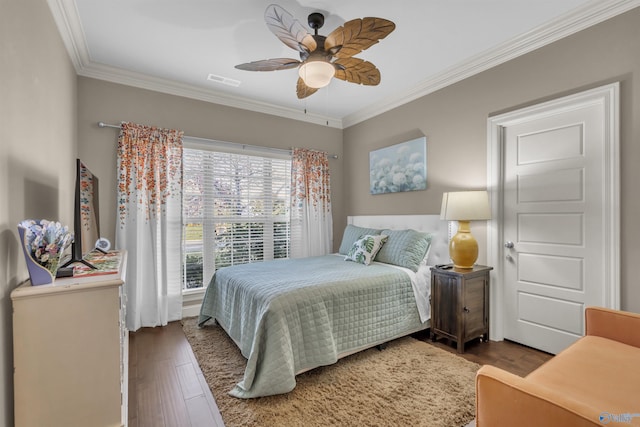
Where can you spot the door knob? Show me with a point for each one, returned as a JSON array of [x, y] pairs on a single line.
[[508, 245]]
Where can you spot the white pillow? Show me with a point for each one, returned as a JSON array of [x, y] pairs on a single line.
[[426, 257], [364, 249]]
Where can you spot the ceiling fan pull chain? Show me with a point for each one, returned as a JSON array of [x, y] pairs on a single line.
[[326, 99]]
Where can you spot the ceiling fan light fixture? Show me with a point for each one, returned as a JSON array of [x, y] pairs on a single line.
[[316, 74], [323, 57]]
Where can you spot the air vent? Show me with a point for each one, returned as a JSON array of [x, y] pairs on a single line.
[[224, 80]]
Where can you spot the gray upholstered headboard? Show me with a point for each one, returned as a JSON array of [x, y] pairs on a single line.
[[439, 252]]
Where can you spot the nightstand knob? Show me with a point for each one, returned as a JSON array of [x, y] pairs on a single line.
[[466, 310]]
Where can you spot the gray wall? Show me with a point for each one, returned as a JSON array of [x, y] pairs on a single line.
[[454, 120], [48, 117], [37, 149], [112, 103]]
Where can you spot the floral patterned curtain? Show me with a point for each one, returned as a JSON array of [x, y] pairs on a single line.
[[149, 226], [311, 220]]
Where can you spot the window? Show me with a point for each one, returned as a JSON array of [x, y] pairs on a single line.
[[235, 209]]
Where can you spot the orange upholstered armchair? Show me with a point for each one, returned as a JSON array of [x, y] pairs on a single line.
[[594, 382]]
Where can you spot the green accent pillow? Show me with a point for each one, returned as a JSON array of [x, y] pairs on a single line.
[[353, 233], [364, 250], [405, 248]]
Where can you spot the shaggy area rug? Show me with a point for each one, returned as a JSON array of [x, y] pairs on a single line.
[[410, 383]]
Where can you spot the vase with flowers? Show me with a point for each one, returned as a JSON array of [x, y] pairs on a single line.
[[43, 243]]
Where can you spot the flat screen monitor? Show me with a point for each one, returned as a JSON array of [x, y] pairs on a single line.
[[86, 222]]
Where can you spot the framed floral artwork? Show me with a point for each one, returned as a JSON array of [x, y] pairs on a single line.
[[400, 167]]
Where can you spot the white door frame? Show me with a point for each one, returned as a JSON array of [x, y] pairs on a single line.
[[608, 96]]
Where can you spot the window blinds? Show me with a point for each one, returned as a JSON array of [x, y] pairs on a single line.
[[235, 210]]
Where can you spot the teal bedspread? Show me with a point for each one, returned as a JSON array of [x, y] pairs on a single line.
[[287, 316]]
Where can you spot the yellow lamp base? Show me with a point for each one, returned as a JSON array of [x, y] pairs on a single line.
[[463, 247]]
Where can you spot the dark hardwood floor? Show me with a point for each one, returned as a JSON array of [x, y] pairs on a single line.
[[166, 385], [510, 356], [167, 388]]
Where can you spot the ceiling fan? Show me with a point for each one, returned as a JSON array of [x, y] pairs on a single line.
[[322, 58]]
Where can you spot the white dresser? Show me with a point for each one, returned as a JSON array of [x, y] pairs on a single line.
[[70, 349]]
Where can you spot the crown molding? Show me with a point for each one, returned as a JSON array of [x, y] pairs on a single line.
[[590, 14], [143, 81], [67, 20], [69, 25]]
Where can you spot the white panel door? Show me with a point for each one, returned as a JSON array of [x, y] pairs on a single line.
[[554, 209]]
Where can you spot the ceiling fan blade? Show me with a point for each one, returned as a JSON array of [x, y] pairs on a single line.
[[356, 70], [303, 90], [270, 64], [357, 35], [288, 29]]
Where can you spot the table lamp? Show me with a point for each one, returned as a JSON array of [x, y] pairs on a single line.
[[464, 206]]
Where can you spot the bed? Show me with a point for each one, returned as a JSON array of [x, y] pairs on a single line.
[[290, 316]]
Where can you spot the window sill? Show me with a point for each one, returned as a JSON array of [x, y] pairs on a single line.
[[193, 294]]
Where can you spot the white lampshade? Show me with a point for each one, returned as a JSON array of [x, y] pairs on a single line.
[[316, 74], [465, 206]]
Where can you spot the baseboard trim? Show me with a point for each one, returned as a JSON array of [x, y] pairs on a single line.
[[191, 310]]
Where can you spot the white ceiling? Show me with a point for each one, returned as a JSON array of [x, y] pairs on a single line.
[[172, 46]]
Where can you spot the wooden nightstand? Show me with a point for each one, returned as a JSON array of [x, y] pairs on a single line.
[[460, 304]]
